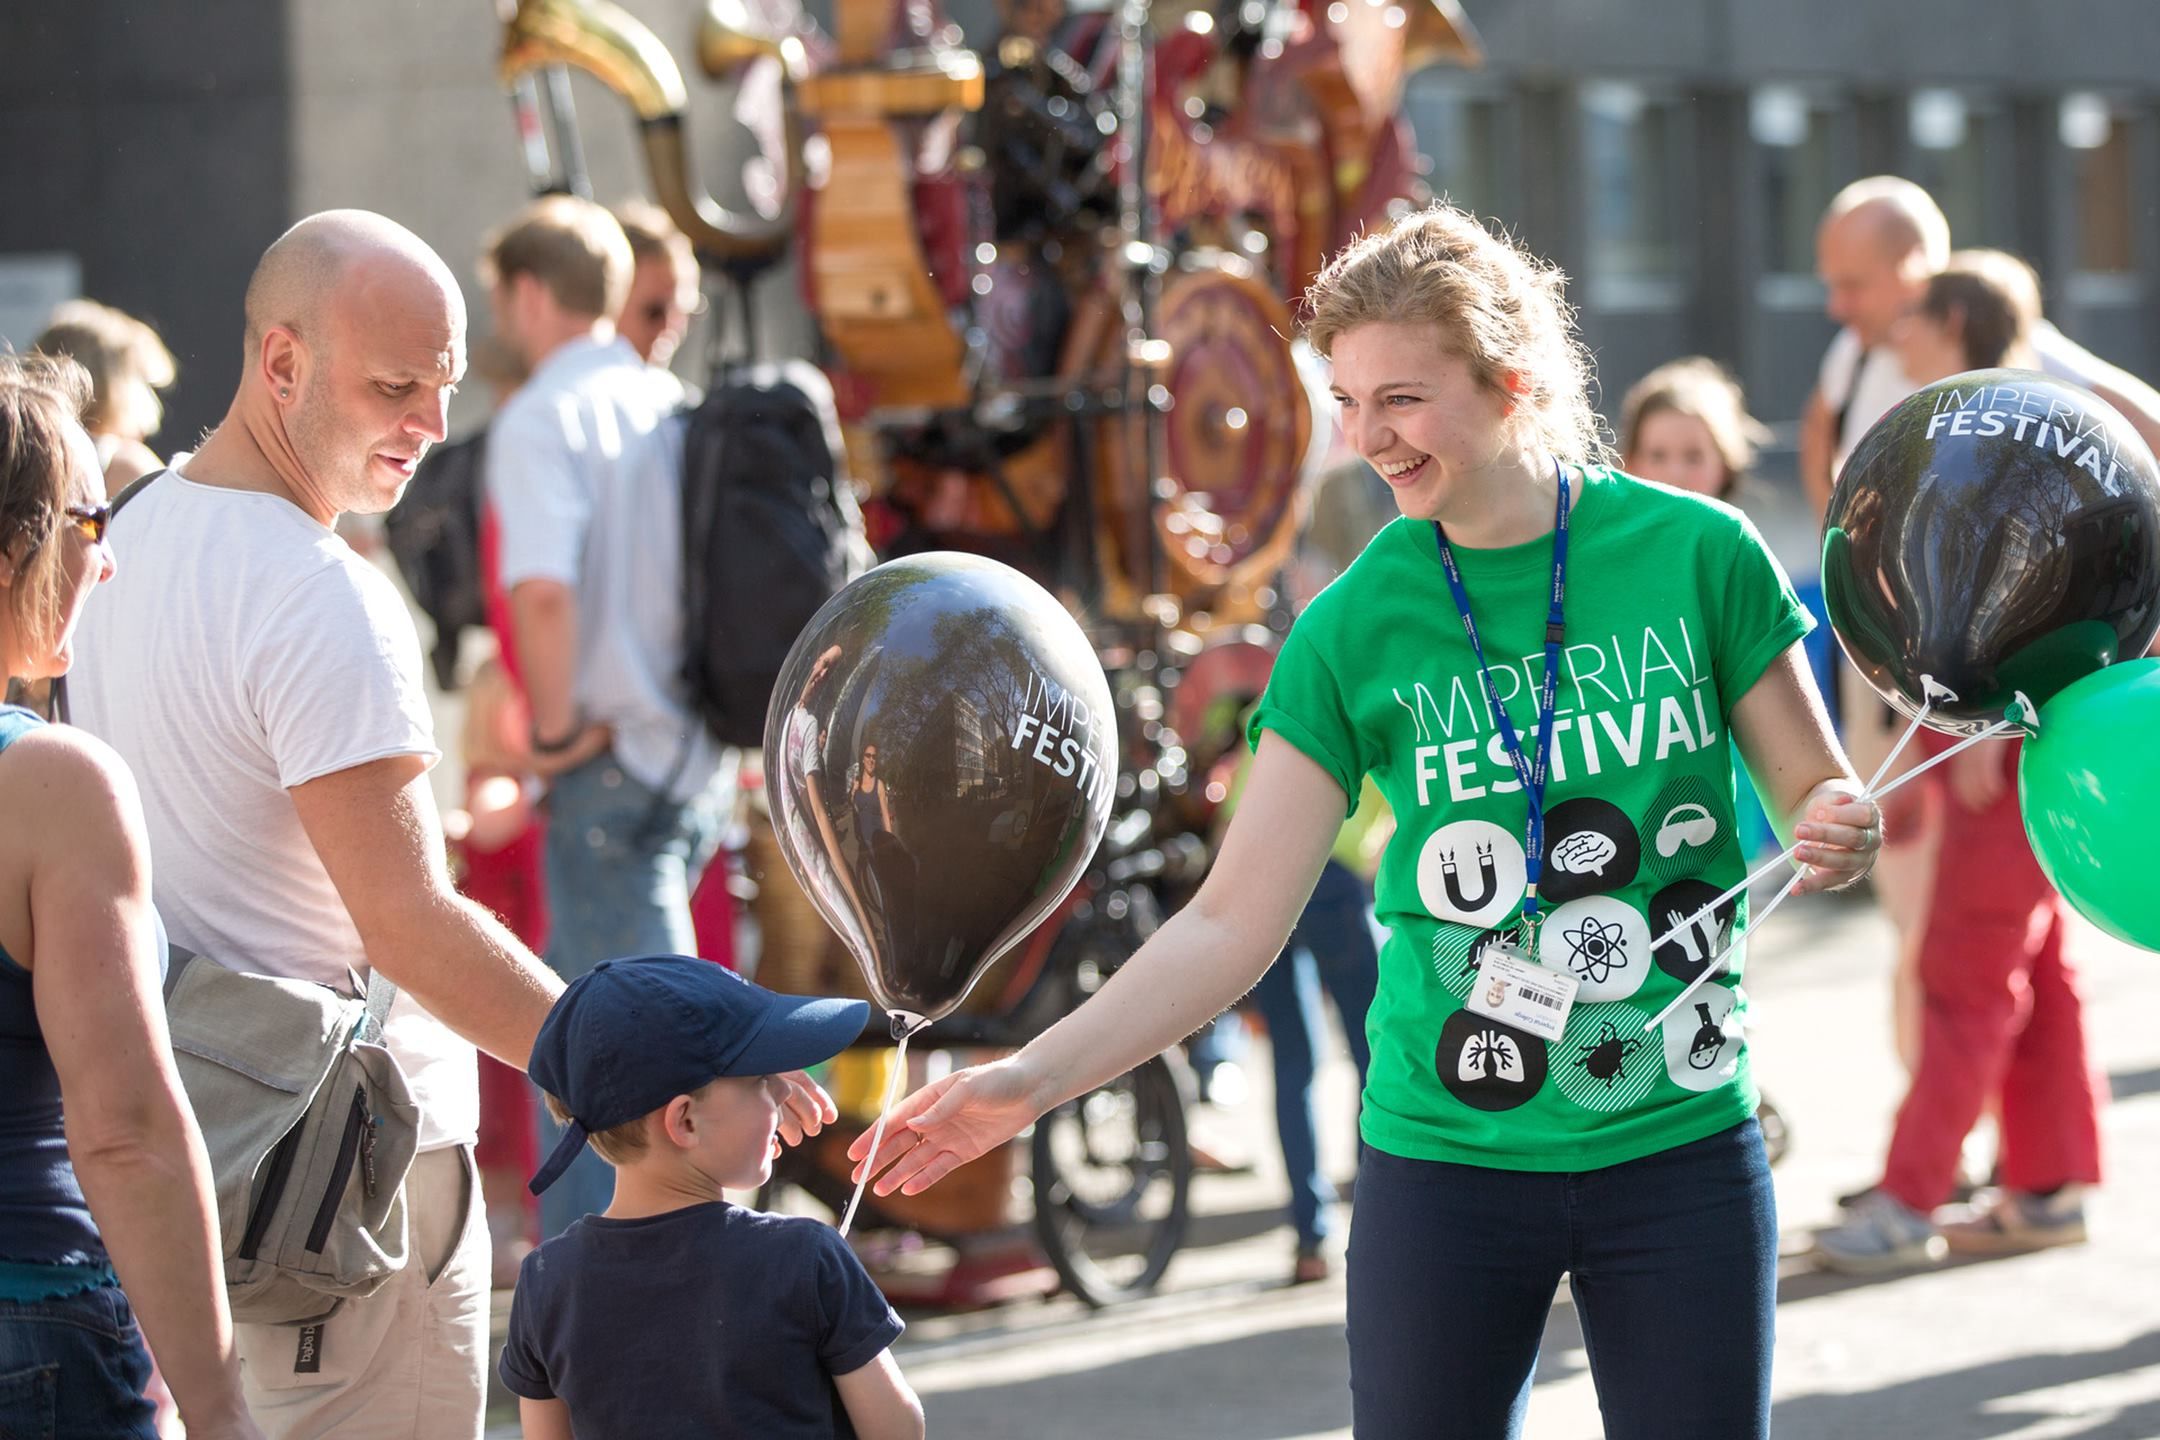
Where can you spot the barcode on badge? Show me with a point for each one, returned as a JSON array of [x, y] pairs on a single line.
[[1548, 1001]]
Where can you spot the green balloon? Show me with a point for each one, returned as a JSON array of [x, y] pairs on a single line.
[[2089, 789]]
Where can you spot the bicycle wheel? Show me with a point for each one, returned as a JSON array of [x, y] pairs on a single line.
[[1113, 1181]]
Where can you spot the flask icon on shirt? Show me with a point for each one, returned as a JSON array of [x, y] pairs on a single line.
[[1709, 1039]]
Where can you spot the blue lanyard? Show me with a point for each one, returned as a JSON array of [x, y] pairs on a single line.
[[1530, 772]]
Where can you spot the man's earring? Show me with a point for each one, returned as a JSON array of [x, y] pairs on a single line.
[[284, 394]]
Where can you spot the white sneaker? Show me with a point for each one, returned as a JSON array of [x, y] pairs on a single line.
[[1880, 1233]]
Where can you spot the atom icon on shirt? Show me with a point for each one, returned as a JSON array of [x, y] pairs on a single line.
[[1596, 949]]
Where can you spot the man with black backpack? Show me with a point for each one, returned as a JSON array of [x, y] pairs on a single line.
[[584, 471]]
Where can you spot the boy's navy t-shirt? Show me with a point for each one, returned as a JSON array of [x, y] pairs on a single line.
[[708, 1321]]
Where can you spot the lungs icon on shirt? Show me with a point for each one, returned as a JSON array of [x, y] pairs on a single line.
[[1487, 1065]]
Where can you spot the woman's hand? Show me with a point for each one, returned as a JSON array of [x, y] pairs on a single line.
[[805, 1109], [1839, 834], [947, 1123]]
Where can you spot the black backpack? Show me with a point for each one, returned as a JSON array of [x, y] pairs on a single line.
[[771, 531], [434, 535]]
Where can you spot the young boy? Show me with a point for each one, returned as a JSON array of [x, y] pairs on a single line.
[[676, 1313]]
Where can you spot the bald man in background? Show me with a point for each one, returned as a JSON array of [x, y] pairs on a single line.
[[1880, 241], [263, 682]]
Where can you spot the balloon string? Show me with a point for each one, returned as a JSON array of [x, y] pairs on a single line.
[[1931, 762], [1717, 966], [877, 1132], [1870, 793], [1899, 748]]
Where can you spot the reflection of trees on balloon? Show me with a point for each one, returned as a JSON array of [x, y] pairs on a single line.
[[2015, 554]]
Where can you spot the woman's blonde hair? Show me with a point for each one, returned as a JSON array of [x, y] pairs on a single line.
[[1702, 390], [1502, 309], [127, 362], [40, 395]]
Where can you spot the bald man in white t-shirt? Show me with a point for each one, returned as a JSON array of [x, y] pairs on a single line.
[[263, 683], [1880, 241]]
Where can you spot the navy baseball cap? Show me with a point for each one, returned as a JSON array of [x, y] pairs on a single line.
[[630, 1035]]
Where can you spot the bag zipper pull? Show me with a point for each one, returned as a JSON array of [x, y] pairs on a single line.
[[367, 1153]]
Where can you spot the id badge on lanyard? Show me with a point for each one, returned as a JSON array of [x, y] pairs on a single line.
[[1512, 987]]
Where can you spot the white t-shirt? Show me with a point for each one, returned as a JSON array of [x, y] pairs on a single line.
[[1881, 380], [242, 649], [1865, 383], [584, 469], [2065, 359]]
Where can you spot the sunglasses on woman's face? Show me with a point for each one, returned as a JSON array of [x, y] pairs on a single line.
[[90, 519]]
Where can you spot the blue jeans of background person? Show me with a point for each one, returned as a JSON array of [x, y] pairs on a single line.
[[74, 1367], [1674, 1265], [621, 862], [1331, 948]]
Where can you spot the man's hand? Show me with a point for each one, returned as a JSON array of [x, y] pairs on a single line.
[[592, 741]]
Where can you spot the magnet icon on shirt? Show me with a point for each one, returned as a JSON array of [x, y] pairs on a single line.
[[1471, 872], [1602, 942], [1703, 1040], [1591, 848], [1488, 1065]]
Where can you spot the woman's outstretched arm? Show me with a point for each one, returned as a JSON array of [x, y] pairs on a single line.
[[1194, 967]]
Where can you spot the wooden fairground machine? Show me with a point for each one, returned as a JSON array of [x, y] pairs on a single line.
[[1054, 279]]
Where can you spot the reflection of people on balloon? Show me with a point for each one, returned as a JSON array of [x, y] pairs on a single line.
[[938, 670], [1459, 380], [802, 744], [866, 791], [884, 870]]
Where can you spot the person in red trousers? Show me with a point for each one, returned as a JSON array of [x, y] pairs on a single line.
[[2001, 1022]]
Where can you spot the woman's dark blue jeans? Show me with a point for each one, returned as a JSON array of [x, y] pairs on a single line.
[[1674, 1263], [74, 1367]]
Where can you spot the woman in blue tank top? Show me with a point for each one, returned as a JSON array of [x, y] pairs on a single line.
[[101, 1167]]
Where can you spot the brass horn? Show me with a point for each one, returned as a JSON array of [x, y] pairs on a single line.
[[616, 49]]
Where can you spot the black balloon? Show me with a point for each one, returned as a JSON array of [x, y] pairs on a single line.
[[940, 756], [1999, 532]]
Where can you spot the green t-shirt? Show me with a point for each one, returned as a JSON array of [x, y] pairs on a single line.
[[1674, 608]]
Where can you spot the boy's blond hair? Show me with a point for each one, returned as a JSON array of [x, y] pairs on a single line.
[[624, 1143]]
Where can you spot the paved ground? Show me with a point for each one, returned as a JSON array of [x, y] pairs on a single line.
[[2047, 1347]]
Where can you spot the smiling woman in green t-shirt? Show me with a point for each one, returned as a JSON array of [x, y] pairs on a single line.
[[1534, 625]]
